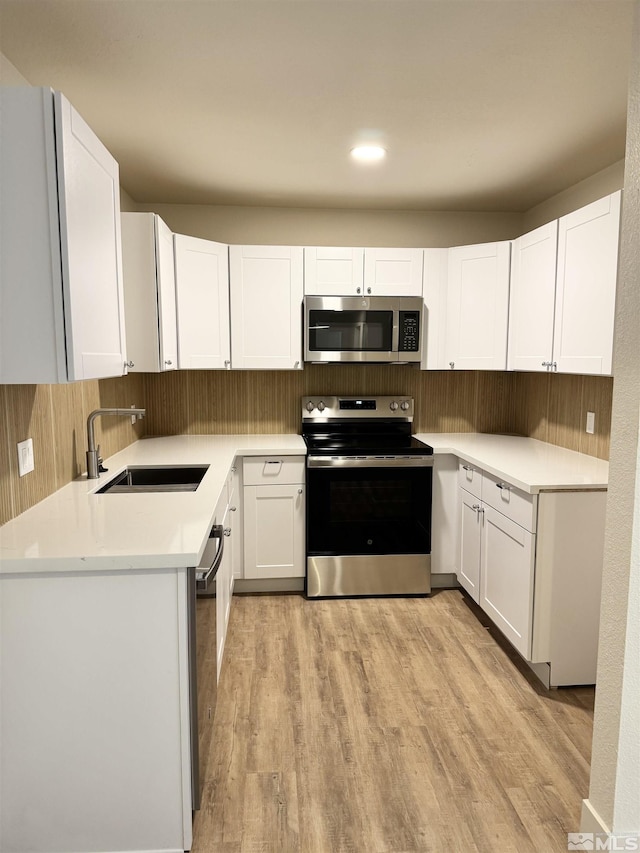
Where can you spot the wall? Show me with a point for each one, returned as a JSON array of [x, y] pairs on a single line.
[[314, 227], [614, 793], [547, 407], [597, 186]]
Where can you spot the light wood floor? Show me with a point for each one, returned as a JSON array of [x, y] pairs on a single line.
[[380, 725]]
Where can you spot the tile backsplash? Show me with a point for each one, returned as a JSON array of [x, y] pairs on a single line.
[[55, 417], [549, 407]]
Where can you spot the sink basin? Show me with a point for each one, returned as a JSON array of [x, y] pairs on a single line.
[[155, 478]]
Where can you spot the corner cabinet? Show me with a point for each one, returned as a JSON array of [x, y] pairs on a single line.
[[62, 316], [149, 293], [533, 563], [274, 517], [202, 298], [266, 284], [477, 307], [563, 288]]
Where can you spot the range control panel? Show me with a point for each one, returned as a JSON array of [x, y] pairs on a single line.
[[321, 407]]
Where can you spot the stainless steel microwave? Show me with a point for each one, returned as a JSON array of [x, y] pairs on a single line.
[[363, 329]]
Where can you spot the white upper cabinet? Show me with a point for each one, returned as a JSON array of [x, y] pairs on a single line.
[[434, 289], [532, 299], [563, 286], [62, 315], [202, 298], [266, 307], [335, 271], [586, 287], [393, 272], [149, 293], [477, 307], [342, 271]]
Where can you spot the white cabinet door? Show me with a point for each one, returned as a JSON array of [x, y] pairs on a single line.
[[586, 287], [166, 280], [266, 307], [434, 324], [61, 266], [507, 571], [149, 293], [532, 299], [202, 296], [274, 531], [337, 271], [393, 272], [477, 307], [236, 521], [470, 526]]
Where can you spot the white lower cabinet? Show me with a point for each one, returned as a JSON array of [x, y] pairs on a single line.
[[274, 517], [533, 563], [506, 577], [496, 565], [95, 712]]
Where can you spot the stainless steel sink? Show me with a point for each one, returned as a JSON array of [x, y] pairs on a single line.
[[155, 478]]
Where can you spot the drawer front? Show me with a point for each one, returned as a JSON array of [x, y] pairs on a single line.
[[510, 501], [470, 478], [266, 470]]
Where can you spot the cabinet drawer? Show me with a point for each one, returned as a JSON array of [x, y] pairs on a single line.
[[470, 478], [265, 470], [510, 501]]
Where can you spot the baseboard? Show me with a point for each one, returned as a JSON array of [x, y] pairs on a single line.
[[269, 585], [590, 820], [444, 580]]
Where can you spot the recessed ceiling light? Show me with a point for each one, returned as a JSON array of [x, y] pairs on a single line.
[[368, 153]]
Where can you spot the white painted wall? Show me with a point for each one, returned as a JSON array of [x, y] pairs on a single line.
[[614, 793]]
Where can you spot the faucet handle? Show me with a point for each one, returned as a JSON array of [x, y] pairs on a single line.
[[101, 468]]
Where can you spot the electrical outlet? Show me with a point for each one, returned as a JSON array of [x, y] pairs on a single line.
[[26, 462], [591, 422], [134, 418]]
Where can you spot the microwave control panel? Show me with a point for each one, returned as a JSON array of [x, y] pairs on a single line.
[[409, 340]]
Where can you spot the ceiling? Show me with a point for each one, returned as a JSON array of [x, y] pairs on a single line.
[[483, 105]]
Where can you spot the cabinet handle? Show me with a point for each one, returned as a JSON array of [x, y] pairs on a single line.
[[358, 290], [296, 365], [505, 486], [168, 361], [129, 364], [299, 491], [476, 507], [227, 362], [233, 508], [227, 531], [452, 364], [467, 468], [554, 365], [233, 469], [546, 364], [368, 290]]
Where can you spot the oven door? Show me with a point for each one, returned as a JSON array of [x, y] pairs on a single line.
[[350, 329], [368, 526]]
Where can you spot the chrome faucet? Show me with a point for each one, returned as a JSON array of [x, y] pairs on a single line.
[[94, 460]]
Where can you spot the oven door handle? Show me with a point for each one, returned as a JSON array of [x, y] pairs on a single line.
[[203, 579], [369, 462]]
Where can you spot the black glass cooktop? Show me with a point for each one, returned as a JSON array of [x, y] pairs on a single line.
[[370, 445]]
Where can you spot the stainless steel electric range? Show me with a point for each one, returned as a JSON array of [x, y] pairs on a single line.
[[369, 483]]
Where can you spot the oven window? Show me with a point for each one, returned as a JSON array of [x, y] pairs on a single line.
[[350, 331], [369, 510]]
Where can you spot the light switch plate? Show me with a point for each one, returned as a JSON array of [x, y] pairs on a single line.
[[591, 422], [26, 462]]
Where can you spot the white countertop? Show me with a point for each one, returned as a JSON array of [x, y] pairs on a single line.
[[77, 530], [533, 466]]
